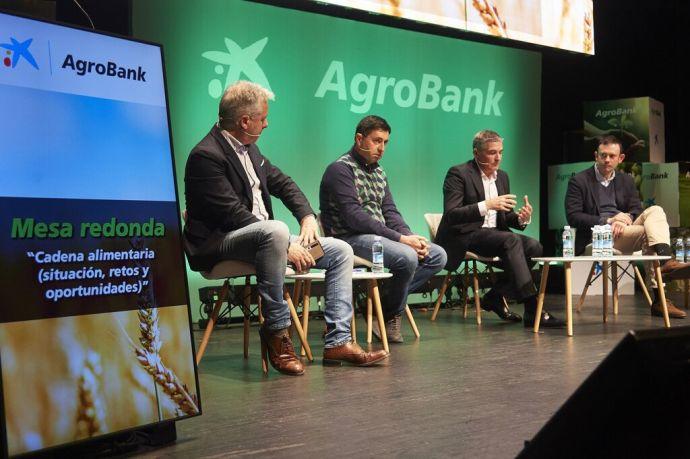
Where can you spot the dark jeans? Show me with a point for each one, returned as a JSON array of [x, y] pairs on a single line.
[[409, 273], [516, 251]]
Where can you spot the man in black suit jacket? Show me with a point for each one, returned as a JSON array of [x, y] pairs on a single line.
[[600, 195], [477, 217], [228, 189]]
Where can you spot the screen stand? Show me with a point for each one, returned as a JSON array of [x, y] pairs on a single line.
[[162, 433]]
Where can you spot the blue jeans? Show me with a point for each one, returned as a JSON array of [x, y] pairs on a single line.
[[265, 244], [409, 273]]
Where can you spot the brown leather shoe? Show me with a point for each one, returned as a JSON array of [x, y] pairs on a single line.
[[673, 311], [276, 346], [674, 269], [353, 354]]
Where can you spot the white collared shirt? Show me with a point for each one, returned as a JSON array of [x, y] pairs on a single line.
[[490, 192], [603, 180], [258, 206]]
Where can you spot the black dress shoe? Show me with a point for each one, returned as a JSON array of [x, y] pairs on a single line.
[[500, 308], [547, 320]]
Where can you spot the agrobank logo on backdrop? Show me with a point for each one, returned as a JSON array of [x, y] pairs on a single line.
[[430, 94], [362, 90]]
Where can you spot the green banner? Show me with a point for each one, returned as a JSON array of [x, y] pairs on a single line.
[[558, 178], [659, 187], [327, 73]]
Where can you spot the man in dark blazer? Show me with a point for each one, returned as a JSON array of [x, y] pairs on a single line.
[[228, 189], [477, 217], [600, 195]]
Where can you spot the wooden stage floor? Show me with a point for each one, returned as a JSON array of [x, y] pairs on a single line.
[[460, 391]]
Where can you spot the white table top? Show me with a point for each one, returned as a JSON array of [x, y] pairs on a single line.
[[311, 275], [356, 275], [363, 275], [591, 259]]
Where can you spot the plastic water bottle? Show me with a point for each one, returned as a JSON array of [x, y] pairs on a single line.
[[596, 241], [377, 255], [680, 250], [607, 246], [687, 249], [568, 249]]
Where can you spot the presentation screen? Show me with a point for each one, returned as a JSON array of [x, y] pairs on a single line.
[[95, 333], [564, 24]]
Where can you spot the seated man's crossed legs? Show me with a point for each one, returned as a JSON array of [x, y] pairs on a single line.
[[338, 310], [409, 275], [650, 233], [265, 245]]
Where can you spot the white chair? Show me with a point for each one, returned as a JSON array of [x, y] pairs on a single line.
[[591, 278], [433, 221], [233, 269]]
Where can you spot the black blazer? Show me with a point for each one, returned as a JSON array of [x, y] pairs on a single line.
[[582, 203], [463, 190], [219, 197]]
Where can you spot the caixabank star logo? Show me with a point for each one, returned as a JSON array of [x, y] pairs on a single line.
[[16, 52], [236, 62]]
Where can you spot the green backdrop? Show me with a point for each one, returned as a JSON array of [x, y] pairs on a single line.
[[327, 73]]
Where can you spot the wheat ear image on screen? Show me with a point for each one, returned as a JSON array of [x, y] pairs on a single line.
[[71, 378]]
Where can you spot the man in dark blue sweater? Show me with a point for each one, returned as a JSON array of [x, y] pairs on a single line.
[[357, 206], [600, 195]]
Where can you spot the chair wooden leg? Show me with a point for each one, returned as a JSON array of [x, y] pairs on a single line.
[[369, 315], [246, 303], [662, 293], [298, 326], [441, 293], [264, 357], [261, 314], [588, 282], [296, 291], [413, 324], [465, 289], [306, 299], [475, 283], [212, 320], [643, 286], [353, 327], [374, 287]]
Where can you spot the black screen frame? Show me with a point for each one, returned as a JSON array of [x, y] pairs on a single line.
[[4, 452]]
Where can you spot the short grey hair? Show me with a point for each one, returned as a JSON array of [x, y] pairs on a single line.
[[483, 137], [239, 99]]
